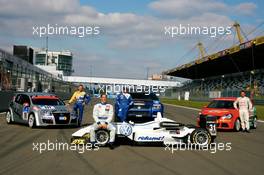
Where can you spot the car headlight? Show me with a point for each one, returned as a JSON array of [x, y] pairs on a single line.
[[73, 115], [227, 116], [156, 106], [45, 113], [41, 112]]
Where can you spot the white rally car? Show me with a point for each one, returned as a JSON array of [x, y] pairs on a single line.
[[161, 130]]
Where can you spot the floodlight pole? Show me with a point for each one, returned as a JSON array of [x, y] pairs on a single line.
[[238, 32]]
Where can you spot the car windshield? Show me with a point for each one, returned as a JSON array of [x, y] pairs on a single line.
[[50, 102], [221, 104], [144, 96]]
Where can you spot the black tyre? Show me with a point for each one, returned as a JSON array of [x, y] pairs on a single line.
[[201, 137]]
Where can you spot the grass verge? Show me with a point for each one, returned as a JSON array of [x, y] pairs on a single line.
[[260, 112]]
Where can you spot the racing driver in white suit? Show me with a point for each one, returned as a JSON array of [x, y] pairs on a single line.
[[244, 105], [103, 115]]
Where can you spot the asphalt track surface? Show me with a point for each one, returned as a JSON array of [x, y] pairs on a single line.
[[17, 155]]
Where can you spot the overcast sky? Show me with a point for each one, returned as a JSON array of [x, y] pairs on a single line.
[[131, 35]]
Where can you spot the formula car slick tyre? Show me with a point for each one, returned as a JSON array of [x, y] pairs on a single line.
[[237, 125], [102, 137], [31, 121], [201, 137], [9, 117]]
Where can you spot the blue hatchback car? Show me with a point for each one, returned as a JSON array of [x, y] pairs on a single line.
[[145, 107]]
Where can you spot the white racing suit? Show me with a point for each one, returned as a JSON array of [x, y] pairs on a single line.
[[244, 106], [103, 114]]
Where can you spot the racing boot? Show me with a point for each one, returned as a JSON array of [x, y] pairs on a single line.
[[93, 145], [111, 145]]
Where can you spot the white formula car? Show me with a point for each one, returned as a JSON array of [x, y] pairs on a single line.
[[161, 130]]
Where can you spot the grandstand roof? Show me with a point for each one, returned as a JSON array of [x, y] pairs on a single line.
[[240, 58]]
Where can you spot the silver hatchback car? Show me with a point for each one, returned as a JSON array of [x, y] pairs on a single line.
[[39, 109]]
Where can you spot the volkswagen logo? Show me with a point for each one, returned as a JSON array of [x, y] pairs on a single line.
[[125, 129]]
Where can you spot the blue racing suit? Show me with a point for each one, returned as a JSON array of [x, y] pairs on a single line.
[[123, 101], [80, 99]]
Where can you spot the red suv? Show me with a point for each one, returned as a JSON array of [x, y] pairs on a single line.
[[227, 117]]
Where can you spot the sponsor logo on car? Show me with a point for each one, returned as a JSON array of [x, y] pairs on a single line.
[[126, 129], [149, 138]]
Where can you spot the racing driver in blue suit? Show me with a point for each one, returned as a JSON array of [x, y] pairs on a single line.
[[123, 101]]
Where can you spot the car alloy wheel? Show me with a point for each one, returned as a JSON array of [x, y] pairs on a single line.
[[8, 117], [201, 137], [31, 121], [102, 136], [237, 125]]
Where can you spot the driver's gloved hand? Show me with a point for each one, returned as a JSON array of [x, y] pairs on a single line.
[[131, 122]]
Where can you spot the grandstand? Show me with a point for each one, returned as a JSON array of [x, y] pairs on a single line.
[[227, 71], [232, 82]]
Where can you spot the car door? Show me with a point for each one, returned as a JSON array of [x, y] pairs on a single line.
[[24, 109], [15, 107], [19, 107]]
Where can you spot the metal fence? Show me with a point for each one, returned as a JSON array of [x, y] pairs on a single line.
[[208, 95]]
